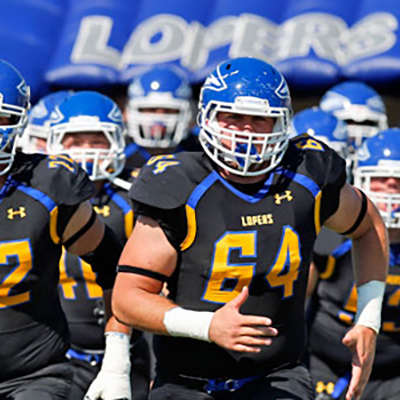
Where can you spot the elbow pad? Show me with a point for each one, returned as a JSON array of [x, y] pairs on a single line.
[[104, 259]]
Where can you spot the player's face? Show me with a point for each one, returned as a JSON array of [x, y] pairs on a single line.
[[389, 185], [5, 120], [158, 130], [385, 184], [85, 140], [40, 144], [245, 123]]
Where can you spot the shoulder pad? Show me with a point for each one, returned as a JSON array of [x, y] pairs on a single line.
[[166, 181], [59, 177], [313, 158]]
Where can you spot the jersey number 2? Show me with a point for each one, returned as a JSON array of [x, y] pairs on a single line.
[[227, 280], [18, 255]]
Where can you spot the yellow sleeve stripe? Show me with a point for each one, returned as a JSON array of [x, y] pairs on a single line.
[[191, 228], [330, 268], [53, 226], [317, 212], [129, 223]]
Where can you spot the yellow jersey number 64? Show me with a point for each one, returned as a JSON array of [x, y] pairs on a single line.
[[282, 274]]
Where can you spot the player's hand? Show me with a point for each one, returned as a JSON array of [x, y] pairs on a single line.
[[113, 381], [361, 341], [234, 331], [110, 386]]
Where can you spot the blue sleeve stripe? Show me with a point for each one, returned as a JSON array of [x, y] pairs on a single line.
[[118, 200], [200, 189], [38, 195], [342, 249], [302, 180]]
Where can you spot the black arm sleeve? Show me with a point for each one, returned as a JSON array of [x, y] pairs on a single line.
[[172, 222], [104, 259]]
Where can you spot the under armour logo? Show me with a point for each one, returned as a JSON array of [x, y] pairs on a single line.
[[327, 388], [288, 196], [104, 211], [11, 213]]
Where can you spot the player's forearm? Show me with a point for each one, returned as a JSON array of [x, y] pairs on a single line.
[[371, 254], [112, 324], [141, 310]]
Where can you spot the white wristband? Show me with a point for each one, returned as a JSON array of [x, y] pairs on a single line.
[[187, 323], [369, 304], [117, 353]]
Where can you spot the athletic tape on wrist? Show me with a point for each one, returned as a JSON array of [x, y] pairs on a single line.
[[187, 323], [369, 304], [117, 353]]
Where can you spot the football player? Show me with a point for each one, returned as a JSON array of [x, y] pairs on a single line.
[[44, 205], [34, 138], [231, 230], [335, 299], [88, 127], [360, 106], [158, 114]]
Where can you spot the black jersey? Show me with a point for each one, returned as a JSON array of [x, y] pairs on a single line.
[[38, 198], [136, 156], [81, 296], [228, 237], [335, 303]]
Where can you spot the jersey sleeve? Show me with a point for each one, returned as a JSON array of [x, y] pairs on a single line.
[[160, 192], [162, 183], [173, 222], [324, 166], [334, 181], [63, 180]]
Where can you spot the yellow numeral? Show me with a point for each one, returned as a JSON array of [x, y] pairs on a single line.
[[68, 283], [62, 161], [221, 271], [227, 280], [393, 301], [309, 144], [285, 269], [21, 252], [93, 290]]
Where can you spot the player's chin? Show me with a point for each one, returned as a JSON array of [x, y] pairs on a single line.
[[259, 166], [254, 167]]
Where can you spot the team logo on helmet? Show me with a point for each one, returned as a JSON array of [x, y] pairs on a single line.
[[115, 114], [216, 83], [282, 91]]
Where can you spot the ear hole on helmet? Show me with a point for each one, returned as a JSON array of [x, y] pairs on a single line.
[[228, 67]]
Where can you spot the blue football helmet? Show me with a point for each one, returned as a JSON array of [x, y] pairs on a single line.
[[247, 86], [379, 157], [38, 121], [86, 112], [323, 126], [159, 109], [14, 105], [360, 106]]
